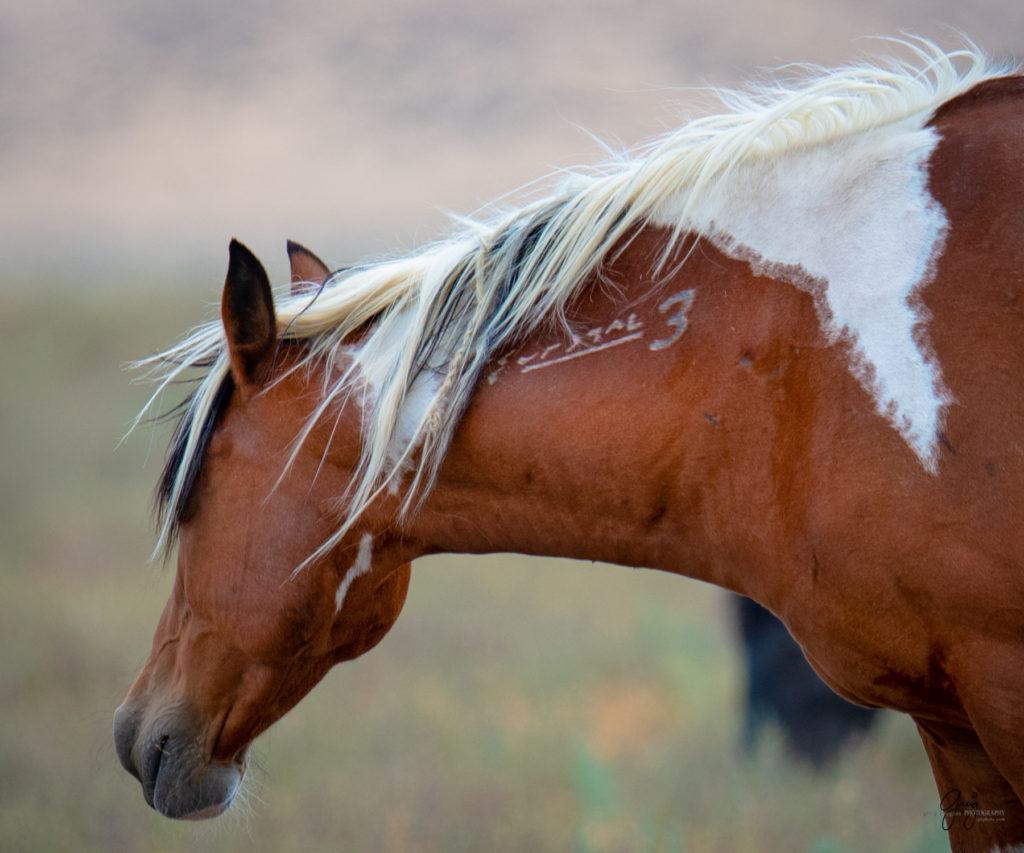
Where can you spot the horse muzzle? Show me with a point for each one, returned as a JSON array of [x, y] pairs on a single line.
[[165, 753]]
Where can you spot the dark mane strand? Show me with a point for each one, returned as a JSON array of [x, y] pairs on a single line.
[[173, 468], [504, 262]]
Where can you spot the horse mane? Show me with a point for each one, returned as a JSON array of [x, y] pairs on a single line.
[[429, 322]]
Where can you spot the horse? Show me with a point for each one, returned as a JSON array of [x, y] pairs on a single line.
[[778, 349]]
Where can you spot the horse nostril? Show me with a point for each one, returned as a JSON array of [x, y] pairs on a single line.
[[155, 753], [144, 757]]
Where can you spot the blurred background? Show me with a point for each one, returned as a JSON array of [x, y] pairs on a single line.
[[518, 704]]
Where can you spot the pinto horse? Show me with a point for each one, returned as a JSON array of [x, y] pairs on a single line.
[[779, 350]]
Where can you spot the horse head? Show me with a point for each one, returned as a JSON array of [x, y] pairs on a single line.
[[253, 622]]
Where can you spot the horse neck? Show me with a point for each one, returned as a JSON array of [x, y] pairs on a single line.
[[620, 443]]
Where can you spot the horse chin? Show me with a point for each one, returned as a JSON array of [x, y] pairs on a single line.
[[210, 812], [198, 796]]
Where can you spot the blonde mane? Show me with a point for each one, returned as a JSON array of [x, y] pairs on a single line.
[[436, 317]]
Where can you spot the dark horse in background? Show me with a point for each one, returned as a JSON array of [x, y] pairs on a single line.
[[780, 688], [780, 350]]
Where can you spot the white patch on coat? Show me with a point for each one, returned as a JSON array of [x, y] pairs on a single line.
[[373, 362], [852, 222], [362, 564]]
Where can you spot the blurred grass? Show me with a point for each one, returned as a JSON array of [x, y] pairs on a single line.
[[517, 705]]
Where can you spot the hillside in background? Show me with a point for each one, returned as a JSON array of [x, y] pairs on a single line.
[[139, 137]]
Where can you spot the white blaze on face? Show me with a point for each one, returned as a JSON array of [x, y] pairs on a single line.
[[362, 564], [853, 222]]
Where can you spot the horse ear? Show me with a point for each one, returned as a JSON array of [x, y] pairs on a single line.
[[308, 271], [247, 310]]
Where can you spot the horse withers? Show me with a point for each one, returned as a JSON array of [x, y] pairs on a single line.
[[780, 351]]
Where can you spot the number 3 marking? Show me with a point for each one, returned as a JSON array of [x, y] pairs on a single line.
[[679, 320]]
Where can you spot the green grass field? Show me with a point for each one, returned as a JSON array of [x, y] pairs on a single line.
[[519, 704]]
